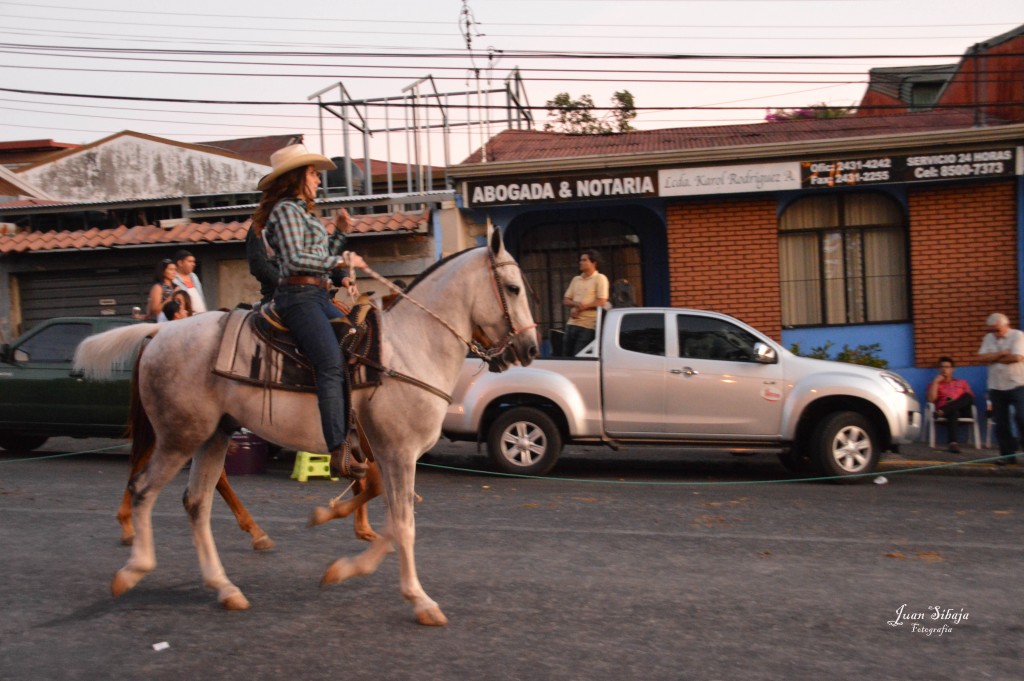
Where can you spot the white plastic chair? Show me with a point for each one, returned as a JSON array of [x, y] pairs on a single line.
[[973, 431]]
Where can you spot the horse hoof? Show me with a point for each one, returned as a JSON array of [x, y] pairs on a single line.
[[431, 617], [338, 572], [262, 543], [235, 601], [319, 516], [368, 535], [125, 580]]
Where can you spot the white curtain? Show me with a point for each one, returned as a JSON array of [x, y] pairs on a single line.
[[858, 263], [800, 266], [885, 275]]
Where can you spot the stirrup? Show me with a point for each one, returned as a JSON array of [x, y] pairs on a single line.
[[345, 463]]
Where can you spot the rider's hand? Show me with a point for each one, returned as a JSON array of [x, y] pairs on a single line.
[[353, 259]]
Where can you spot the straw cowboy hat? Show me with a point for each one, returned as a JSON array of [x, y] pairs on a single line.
[[291, 157]]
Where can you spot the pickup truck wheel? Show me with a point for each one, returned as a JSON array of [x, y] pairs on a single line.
[[846, 446], [15, 441], [524, 440]]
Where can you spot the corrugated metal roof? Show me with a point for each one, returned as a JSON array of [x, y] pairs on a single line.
[[30, 203], [892, 80], [22, 206], [35, 145], [255, 149], [531, 145]]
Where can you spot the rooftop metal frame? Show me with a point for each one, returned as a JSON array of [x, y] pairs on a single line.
[[422, 108]]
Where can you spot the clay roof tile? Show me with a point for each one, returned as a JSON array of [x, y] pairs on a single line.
[[213, 232]]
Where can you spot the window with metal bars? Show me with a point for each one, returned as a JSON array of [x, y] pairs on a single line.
[[549, 257]]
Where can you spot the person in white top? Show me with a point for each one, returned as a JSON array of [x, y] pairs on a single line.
[[188, 281], [1003, 351]]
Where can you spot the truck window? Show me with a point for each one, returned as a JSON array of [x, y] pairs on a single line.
[[55, 343], [708, 338], [643, 332]]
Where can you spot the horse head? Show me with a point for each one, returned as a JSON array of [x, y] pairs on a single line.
[[504, 325]]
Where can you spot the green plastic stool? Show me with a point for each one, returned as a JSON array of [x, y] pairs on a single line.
[[309, 465]]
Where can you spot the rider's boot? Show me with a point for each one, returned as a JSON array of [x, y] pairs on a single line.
[[348, 462]]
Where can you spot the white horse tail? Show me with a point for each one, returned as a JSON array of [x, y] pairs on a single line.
[[98, 356]]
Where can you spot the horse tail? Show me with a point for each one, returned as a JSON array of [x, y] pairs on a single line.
[[98, 356], [140, 428]]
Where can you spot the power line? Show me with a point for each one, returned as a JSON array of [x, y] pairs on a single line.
[[419, 32], [562, 79], [507, 54], [69, 52], [235, 17], [404, 105], [276, 116]]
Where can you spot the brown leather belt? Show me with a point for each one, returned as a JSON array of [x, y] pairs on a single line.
[[303, 280]]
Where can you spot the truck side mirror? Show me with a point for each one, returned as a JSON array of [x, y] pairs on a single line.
[[764, 353]]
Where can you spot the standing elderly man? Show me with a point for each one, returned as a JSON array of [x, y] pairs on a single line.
[[1003, 351], [187, 280]]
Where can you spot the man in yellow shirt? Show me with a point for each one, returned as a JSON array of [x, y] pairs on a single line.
[[585, 294]]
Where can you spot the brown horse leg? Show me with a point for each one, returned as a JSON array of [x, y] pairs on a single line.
[[366, 489], [260, 540], [124, 517], [124, 511]]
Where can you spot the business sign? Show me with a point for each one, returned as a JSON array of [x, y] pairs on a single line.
[[885, 169], [763, 177], [748, 178], [589, 186]]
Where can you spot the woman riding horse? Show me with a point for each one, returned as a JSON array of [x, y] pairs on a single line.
[[300, 240]]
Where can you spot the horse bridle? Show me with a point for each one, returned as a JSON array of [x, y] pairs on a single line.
[[489, 351]]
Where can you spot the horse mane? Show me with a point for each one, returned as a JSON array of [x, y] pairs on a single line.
[[430, 270]]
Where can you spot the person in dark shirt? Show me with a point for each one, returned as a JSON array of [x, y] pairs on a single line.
[[262, 265]]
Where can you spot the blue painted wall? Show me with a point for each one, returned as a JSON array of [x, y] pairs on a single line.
[[897, 341]]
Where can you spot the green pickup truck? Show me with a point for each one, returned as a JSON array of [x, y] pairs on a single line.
[[42, 397]]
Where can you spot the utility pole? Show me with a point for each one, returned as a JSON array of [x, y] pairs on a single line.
[[467, 26]]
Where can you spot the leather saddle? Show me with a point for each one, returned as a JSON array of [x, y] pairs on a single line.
[[257, 348]]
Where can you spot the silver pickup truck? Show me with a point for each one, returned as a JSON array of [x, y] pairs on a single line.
[[689, 379]]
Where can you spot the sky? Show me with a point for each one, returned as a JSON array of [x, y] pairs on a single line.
[[78, 70]]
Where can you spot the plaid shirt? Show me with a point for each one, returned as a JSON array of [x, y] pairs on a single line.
[[299, 239]]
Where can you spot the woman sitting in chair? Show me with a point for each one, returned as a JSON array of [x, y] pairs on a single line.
[[952, 398]]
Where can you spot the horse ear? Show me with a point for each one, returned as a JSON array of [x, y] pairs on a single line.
[[494, 239]]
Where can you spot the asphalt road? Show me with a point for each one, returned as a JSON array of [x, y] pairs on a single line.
[[649, 566]]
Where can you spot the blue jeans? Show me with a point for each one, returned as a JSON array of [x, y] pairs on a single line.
[[576, 338], [307, 311], [1002, 400]]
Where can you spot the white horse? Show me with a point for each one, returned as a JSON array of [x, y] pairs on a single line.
[[193, 412]]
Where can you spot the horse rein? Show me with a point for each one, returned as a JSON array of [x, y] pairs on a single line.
[[494, 350]]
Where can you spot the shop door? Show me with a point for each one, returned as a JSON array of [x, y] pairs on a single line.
[[549, 256], [81, 293]]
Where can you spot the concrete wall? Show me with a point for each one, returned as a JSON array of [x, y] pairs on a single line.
[[130, 167]]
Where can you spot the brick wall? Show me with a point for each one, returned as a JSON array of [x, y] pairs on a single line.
[[963, 246], [724, 256]]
